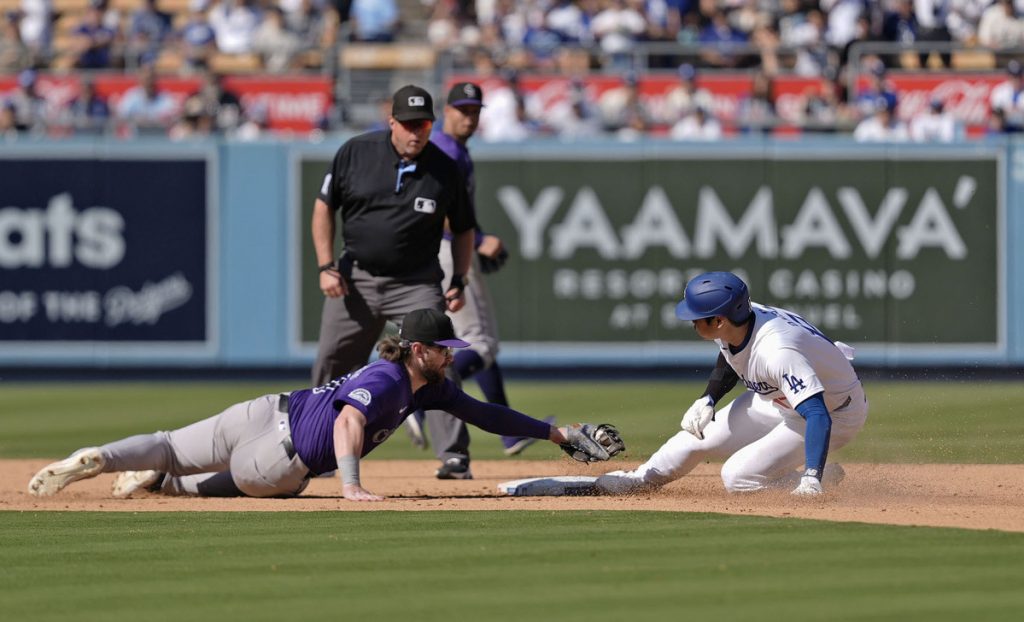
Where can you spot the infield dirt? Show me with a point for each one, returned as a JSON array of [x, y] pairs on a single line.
[[967, 496]]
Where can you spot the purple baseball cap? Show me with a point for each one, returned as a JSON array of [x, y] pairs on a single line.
[[466, 94], [430, 326]]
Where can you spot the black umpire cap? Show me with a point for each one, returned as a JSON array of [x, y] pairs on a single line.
[[411, 103], [466, 94]]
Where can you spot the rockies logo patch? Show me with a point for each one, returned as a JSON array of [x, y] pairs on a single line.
[[362, 396]]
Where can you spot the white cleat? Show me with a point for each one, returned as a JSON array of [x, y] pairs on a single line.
[[128, 482], [621, 483], [82, 464], [809, 487]]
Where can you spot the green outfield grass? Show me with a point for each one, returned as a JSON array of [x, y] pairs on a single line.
[[952, 422], [514, 566]]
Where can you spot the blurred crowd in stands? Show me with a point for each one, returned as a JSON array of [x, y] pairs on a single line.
[[505, 41]]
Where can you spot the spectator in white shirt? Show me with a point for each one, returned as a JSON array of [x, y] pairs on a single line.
[[145, 106], [999, 27], [234, 24], [1008, 96], [933, 125], [883, 126], [698, 125], [685, 97], [617, 29], [842, 20], [962, 19]]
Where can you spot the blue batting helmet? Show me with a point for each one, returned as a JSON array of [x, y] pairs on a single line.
[[715, 293]]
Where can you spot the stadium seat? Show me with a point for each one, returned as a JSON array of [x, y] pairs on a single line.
[[64, 6], [173, 7], [67, 22], [395, 56], [235, 63], [311, 59], [126, 7], [974, 59]]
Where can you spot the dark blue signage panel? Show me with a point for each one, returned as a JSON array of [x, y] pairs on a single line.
[[103, 250]]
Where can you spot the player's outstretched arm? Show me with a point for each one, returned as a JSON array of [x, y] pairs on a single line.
[[348, 446]]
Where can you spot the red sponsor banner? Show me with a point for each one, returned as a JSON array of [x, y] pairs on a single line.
[[965, 95], [289, 103]]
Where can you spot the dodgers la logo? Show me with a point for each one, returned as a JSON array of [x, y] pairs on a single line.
[[362, 396], [425, 206], [796, 385]]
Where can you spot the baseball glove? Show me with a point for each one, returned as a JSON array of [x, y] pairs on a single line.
[[492, 264], [587, 442]]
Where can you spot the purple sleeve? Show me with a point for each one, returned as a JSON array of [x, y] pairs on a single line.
[[368, 393], [492, 418]]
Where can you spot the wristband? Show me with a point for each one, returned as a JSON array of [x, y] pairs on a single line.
[[458, 281], [348, 468], [330, 265]]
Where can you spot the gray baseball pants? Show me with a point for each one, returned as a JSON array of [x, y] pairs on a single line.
[[243, 451], [475, 322], [351, 325]]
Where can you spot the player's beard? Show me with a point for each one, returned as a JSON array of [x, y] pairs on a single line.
[[430, 374]]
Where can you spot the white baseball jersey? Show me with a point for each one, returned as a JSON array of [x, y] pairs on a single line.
[[787, 360]]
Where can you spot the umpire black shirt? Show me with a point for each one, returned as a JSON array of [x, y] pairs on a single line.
[[393, 218]]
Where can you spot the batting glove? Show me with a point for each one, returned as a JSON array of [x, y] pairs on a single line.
[[809, 486], [698, 416]]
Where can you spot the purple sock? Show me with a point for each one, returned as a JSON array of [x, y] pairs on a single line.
[[467, 363], [492, 383]]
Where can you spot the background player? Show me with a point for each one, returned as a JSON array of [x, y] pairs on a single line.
[[394, 191], [802, 396], [271, 446], [475, 322]]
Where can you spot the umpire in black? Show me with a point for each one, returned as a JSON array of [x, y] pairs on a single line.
[[394, 190]]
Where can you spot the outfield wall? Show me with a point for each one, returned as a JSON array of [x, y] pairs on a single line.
[[159, 254]]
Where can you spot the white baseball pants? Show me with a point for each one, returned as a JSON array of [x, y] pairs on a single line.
[[762, 443]]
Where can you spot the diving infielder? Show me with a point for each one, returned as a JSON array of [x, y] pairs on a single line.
[[802, 398], [272, 445]]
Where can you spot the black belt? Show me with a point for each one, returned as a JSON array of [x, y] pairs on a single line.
[[289, 446], [282, 407]]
